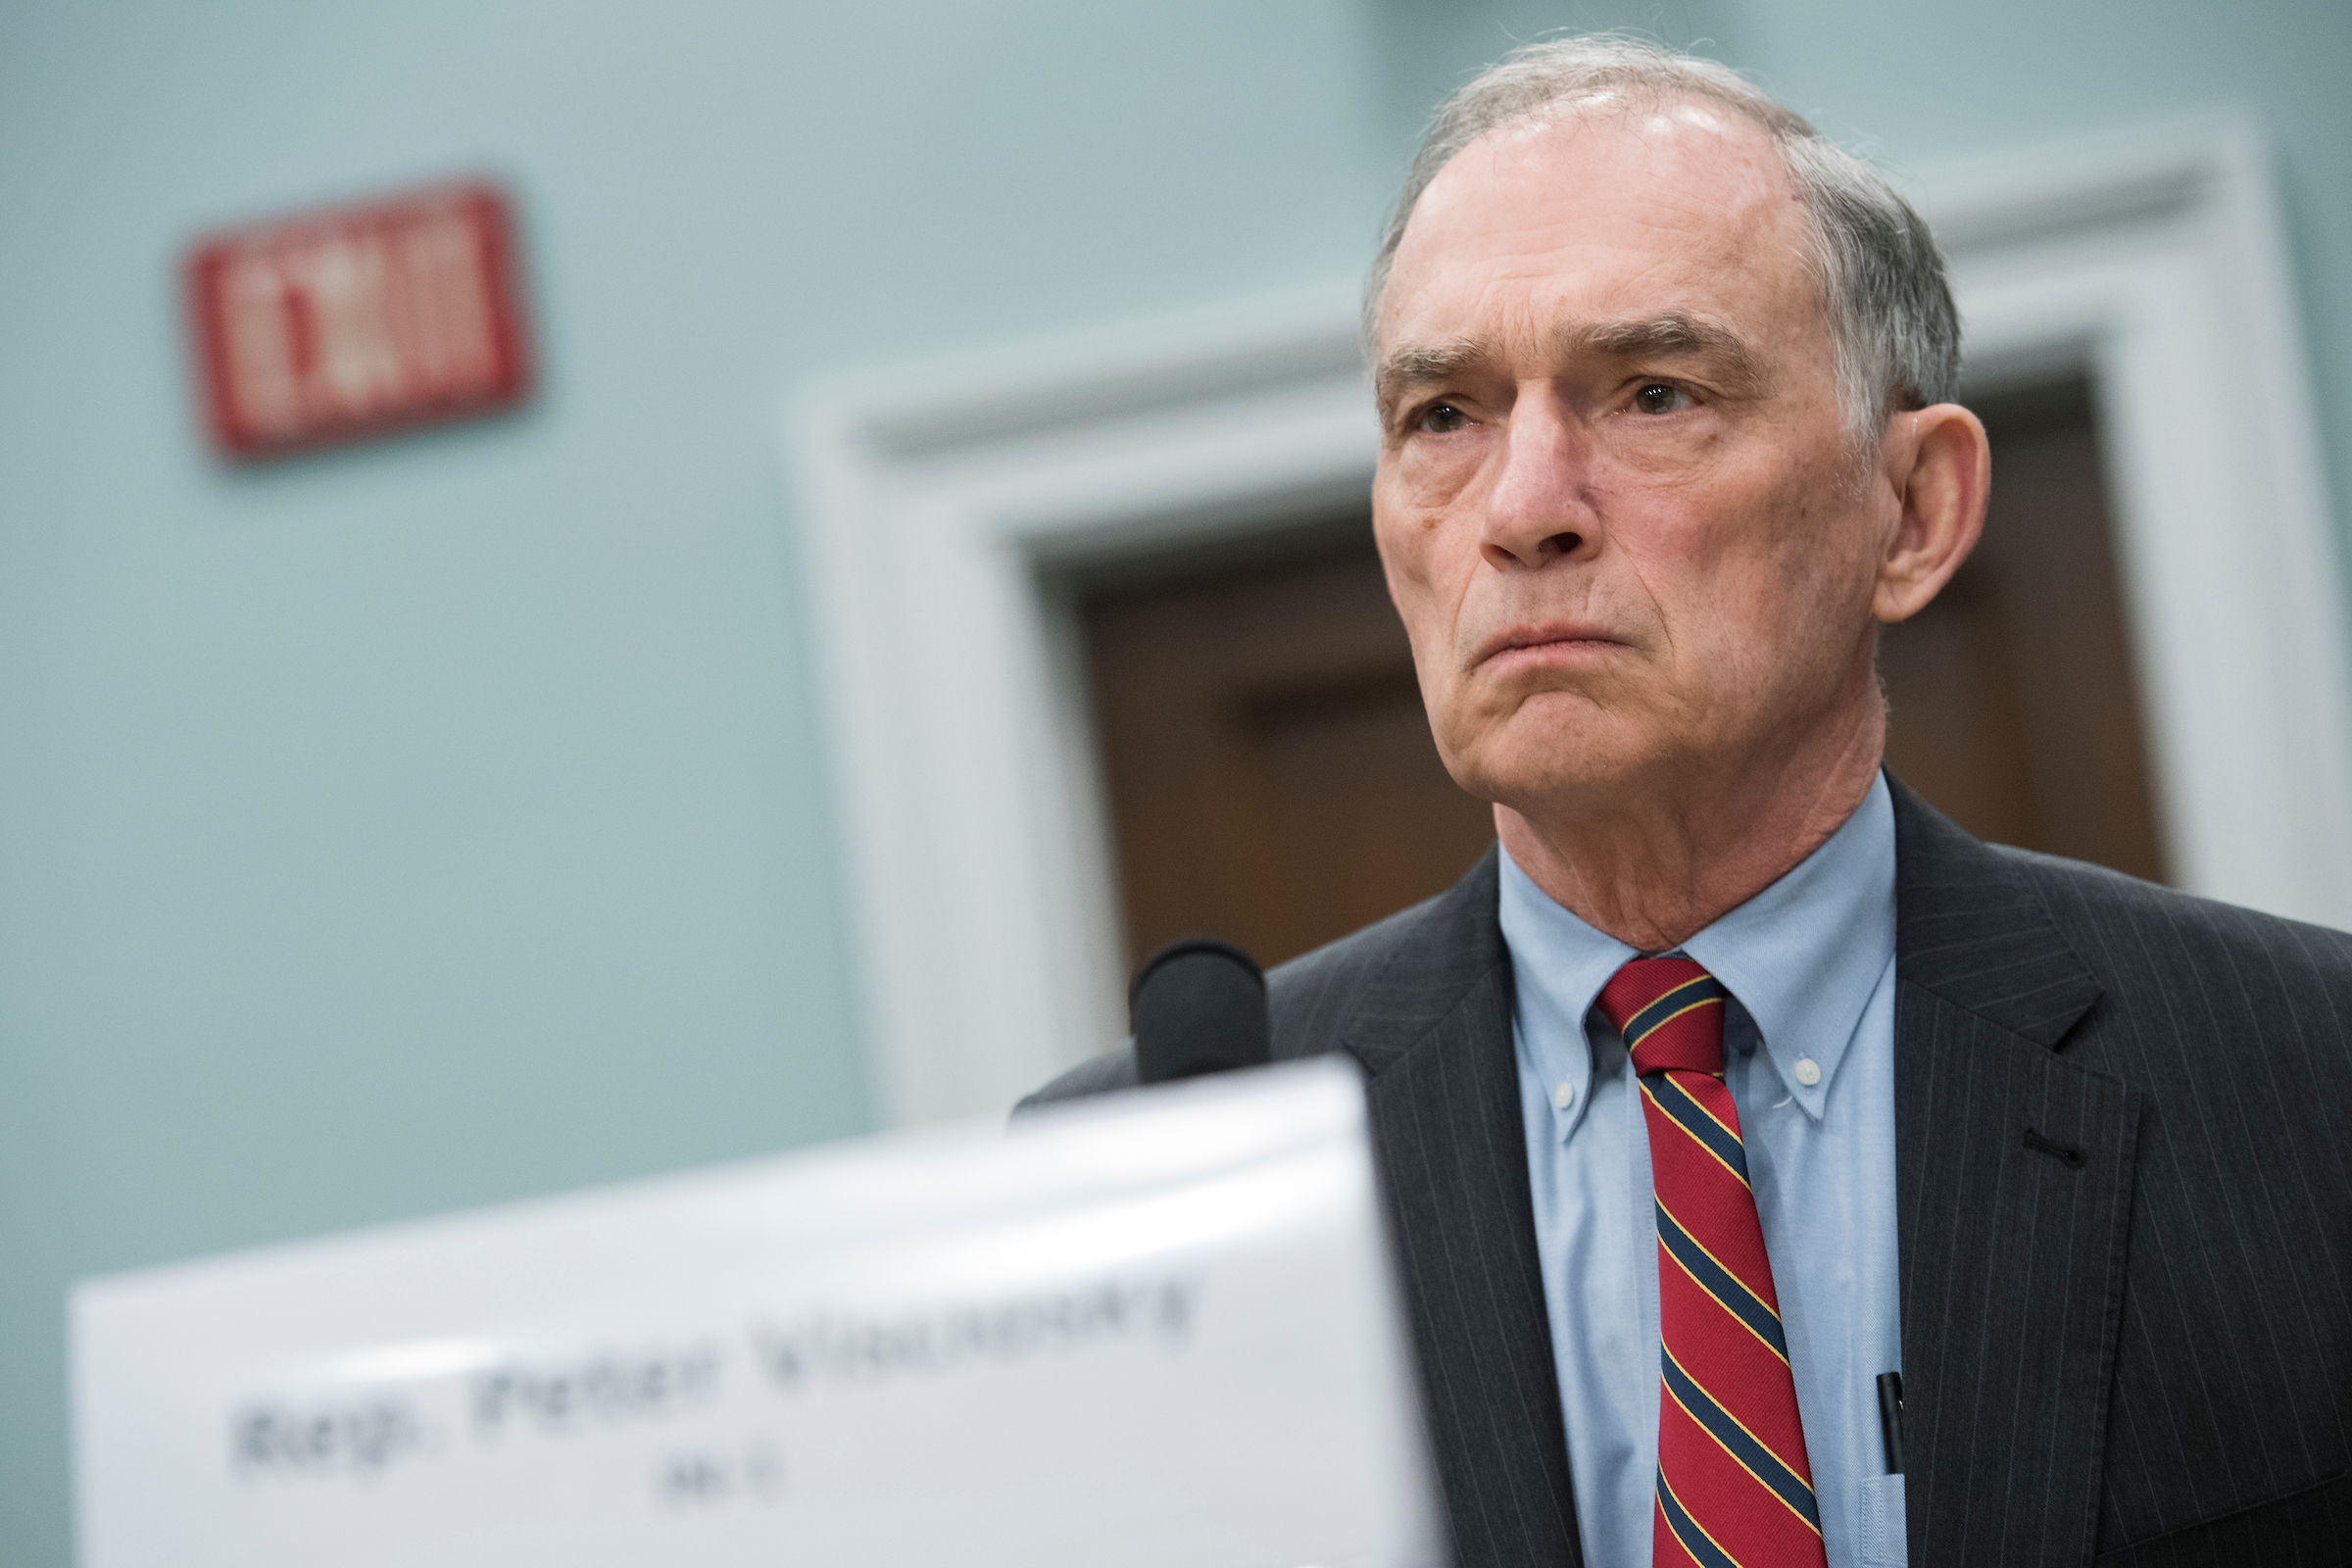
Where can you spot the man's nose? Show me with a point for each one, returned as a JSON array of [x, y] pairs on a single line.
[[1540, 509]]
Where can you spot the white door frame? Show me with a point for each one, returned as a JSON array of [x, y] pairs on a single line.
[[939, 502]]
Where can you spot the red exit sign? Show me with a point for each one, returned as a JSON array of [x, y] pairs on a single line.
[[351, 322]]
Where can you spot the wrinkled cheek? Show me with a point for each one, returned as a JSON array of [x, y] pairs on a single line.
[[1446, 728], [1423, 626], [1460, 707], [1427, 586], [1428, 613], [1468, 714]]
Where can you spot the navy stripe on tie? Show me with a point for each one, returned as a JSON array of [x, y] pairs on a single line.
[[1720, 1283], [1690, 994], [1692, 1117], [1686, 1530], [1761, 1462]]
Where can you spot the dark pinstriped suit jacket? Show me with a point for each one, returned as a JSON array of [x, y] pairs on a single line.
[[2125, 1212]]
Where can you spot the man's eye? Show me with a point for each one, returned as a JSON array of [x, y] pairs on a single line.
[[1660, 396], [1441, 419]]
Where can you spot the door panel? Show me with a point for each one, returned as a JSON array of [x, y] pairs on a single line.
[[1273, 778], [2014, 703]]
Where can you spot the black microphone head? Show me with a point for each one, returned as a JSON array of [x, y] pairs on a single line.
[[1198, 1006]]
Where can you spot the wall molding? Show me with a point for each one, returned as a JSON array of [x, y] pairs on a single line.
[[941, 502]]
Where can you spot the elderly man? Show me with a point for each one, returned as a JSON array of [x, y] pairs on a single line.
[[1737, 1077]]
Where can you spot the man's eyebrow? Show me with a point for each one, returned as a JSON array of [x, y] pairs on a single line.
[[1422, 364], [1671, 335], [1668, 335]]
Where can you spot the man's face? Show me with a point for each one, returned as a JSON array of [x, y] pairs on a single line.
[[1617, 506]]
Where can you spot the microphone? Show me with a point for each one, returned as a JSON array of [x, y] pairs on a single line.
[[1198, 1006]]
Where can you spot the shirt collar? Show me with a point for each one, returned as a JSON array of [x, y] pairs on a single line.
[[1803, 956], [1558, 965]]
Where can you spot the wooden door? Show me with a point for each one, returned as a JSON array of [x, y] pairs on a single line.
[[2013, 700], [1271, 775]]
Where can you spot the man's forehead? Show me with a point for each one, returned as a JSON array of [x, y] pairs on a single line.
[[1678, 141], [1657, 231]]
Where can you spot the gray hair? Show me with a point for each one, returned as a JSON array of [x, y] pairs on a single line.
[[1894, 331]]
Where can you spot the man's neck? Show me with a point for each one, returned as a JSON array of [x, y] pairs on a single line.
[[1658, 870]]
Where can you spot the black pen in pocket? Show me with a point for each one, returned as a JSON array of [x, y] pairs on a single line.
[[1891, 1419]]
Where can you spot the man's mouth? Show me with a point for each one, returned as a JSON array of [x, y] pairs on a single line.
[[1560, 642]]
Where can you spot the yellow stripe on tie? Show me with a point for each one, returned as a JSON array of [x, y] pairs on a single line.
[[1648, 1094], [1706, 1001], [1728, 1310], [1683, 1509], [1669, 994], [1696, 1420], [1694, 980], [1730, 1271], [1729, 1131]]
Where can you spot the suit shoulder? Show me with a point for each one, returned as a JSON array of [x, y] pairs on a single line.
[[1438, 945], [2100, 910], [1348, 961], [1112, 1069], [1313, 985]]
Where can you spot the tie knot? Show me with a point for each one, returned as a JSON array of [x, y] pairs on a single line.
[[1670, 1012]]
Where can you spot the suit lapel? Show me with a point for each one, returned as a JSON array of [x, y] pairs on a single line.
[[1432, 1033], [2015, 1172]]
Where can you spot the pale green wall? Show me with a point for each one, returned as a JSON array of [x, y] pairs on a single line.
[[443, 822]]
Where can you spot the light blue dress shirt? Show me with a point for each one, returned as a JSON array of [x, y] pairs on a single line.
[[1810, 966]]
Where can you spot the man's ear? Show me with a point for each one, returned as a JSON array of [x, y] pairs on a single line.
[[1941, 468]]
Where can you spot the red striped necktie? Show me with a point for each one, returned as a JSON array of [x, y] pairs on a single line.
[[1735, 1488]]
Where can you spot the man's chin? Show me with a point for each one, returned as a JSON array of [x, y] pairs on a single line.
[[1546, 775]]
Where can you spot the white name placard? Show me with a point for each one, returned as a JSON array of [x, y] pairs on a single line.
[[1155, 1328]]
